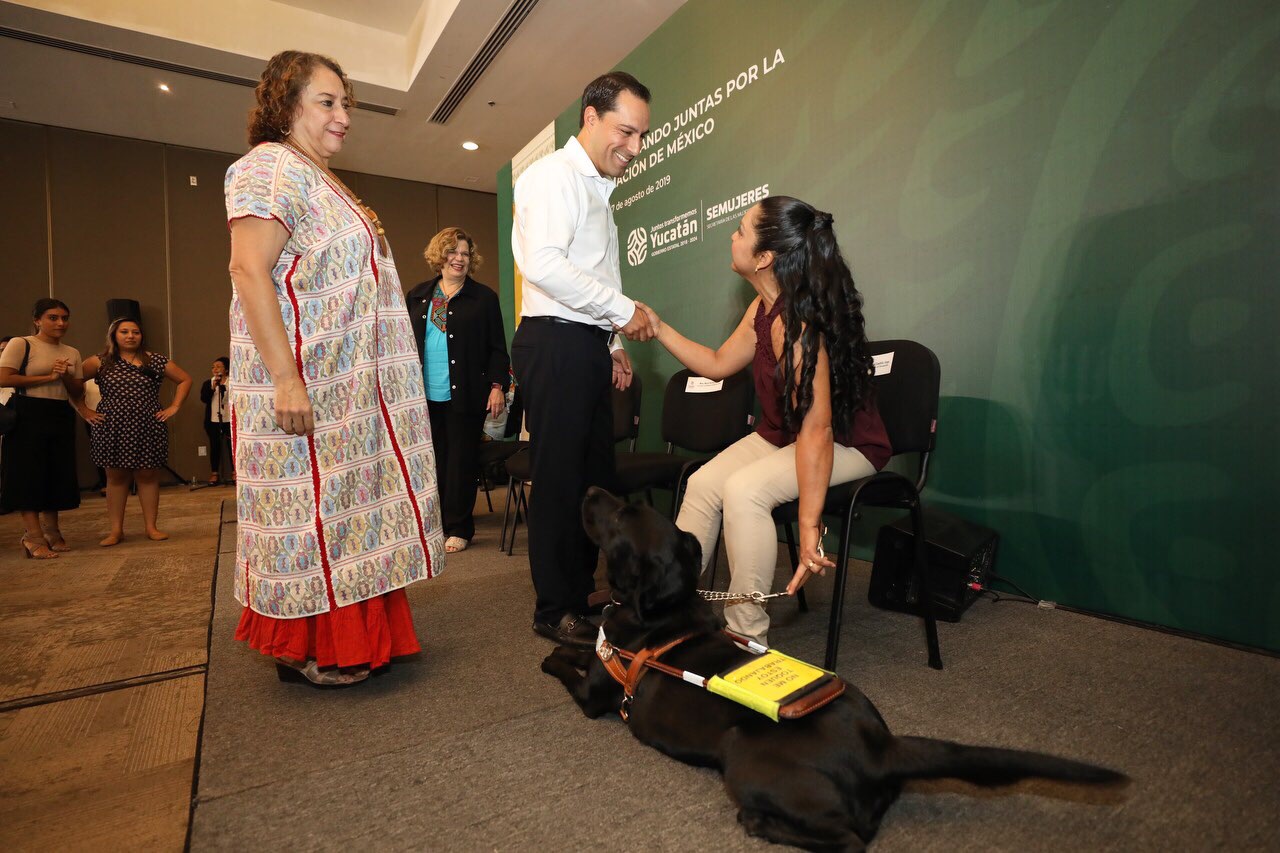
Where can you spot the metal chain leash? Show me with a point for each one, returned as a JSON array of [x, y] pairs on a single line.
[[757, 597]]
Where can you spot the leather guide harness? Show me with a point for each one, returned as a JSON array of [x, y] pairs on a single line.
[[820, 688], [641, 662]]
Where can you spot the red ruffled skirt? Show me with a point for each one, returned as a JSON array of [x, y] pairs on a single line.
[[369, 633]]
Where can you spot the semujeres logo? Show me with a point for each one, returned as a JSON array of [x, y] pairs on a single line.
[[637, 246]]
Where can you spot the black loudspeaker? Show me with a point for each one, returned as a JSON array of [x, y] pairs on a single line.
[[127, 308], [959, 553]]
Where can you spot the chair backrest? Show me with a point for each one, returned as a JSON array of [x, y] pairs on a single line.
[[626, 412], [706, 421], [907, 395]]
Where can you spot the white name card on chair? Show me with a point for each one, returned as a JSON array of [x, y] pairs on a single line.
[[701, 385], [883, 363]]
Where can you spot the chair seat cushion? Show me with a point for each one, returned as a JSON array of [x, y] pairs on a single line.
[[493, 452], [520, 464], [637, 471], [885, 488]]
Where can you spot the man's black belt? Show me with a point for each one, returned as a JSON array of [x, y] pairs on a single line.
[[603, 334]]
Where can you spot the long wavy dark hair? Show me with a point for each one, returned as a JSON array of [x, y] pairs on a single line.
[[821, 305]]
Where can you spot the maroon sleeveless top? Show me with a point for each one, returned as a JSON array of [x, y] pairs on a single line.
[[867, 435]]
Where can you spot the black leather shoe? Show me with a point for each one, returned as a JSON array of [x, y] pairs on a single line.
[[571, 630]]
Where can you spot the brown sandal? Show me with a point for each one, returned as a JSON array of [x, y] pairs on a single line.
[[55, 539], [311, 675], [36, 550]]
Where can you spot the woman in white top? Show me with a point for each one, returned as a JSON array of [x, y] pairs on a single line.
[[38, 467]]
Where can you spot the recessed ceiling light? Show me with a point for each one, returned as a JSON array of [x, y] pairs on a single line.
[[470, 146], [164, 87]]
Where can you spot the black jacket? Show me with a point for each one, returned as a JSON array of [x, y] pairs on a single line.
[[206, 396], [477, 341]]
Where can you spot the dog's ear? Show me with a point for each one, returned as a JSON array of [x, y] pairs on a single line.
[[651, 581], [689, 552], [620, 566], [667, 578]]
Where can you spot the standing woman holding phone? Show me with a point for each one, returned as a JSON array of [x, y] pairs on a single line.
[[217, 415], [38, 466]]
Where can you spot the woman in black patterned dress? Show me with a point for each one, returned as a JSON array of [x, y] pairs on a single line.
[[130, 439]]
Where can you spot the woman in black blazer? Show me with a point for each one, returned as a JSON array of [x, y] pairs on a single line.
[[457, 324], [216, 397]]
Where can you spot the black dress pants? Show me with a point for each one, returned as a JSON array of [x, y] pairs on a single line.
[[217, 434], [455, 435], [564, 371]]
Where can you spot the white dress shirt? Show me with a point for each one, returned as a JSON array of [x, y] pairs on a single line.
[[565, 242]]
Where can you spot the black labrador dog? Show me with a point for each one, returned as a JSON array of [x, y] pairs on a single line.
[[822, 782]]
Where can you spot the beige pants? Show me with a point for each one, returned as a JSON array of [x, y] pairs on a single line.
[[742, 485]]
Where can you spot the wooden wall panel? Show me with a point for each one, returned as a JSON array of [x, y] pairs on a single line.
[[24, 239], [408, 213], [200, 287], [108, 235], [477, 213], [108, 239]]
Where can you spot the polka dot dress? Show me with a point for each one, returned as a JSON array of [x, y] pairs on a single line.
[[130, 436]]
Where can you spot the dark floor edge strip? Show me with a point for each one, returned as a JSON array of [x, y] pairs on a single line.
[[1165, 629], [96, 689], [204, 699]]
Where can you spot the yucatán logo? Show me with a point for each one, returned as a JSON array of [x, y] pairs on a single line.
[[637, 246]]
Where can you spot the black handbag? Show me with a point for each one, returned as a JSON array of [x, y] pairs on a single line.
[[9, 411]]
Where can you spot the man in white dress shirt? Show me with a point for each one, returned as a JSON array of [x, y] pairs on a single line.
[[565, 352]]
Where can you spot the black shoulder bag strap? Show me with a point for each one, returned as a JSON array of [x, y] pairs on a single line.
[[22, 368]]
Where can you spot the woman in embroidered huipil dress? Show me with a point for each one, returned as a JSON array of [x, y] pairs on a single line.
[[336, 487]]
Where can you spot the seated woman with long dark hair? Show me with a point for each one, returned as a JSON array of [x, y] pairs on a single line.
[[804, 337]]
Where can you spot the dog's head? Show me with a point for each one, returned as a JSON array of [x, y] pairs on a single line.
[[653, 565]]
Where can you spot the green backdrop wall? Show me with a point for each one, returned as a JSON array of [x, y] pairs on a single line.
[[1075, 204]]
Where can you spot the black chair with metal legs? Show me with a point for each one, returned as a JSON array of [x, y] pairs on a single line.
[[697, 416], [907, 396], [519, 470], [494, 454], [626, 414]]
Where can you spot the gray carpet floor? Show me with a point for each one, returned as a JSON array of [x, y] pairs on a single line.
[[470, 747]]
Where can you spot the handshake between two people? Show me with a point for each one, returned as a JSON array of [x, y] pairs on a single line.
[[644, 325]]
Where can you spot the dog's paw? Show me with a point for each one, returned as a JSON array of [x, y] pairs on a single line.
[[563, 657]]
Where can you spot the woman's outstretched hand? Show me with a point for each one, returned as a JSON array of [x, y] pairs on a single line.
[[644, 324], [813, 559], [655, 322]]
